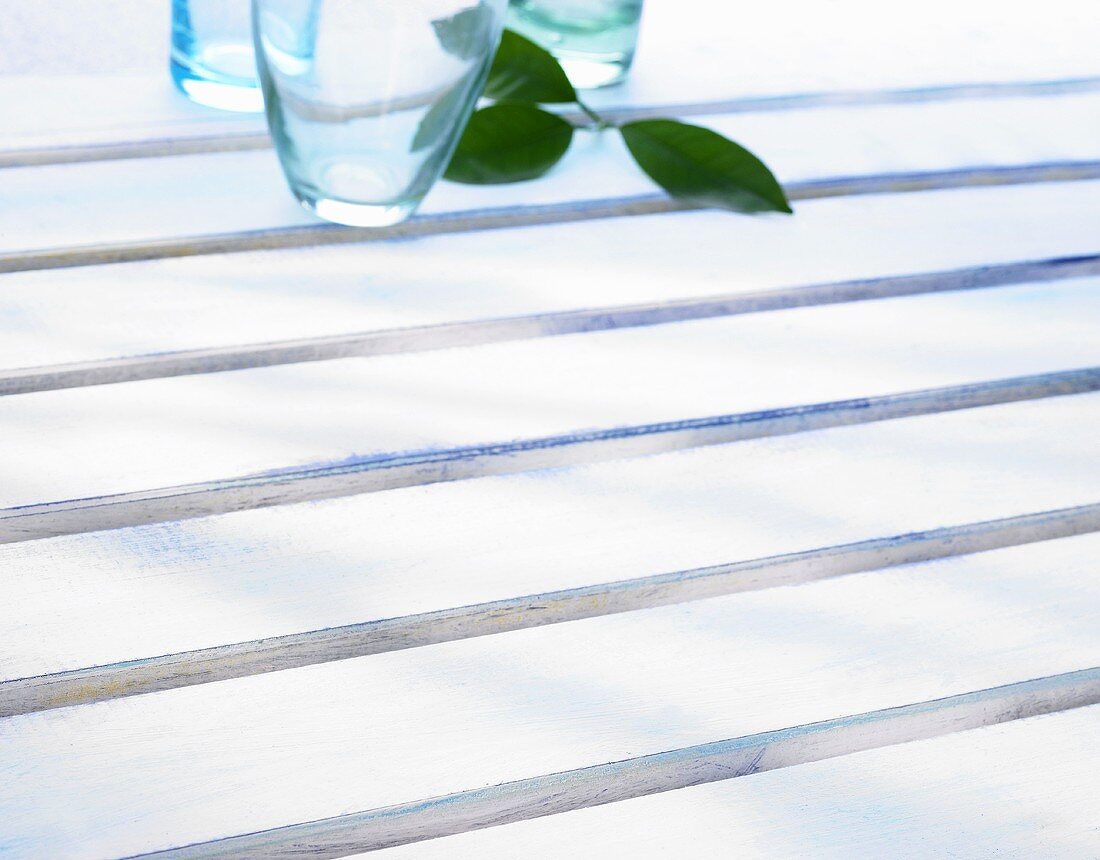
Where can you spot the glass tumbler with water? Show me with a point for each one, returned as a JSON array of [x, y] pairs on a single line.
[[594, 40], [366, 99], [212, 60]]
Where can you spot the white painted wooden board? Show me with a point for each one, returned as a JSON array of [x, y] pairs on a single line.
[[66, 78], [78, 601], [1024, 789], [84, 443], [206, 762], [152, 199], [85, 314], [636, 777]]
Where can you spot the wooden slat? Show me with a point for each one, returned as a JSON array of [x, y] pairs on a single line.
[[395, 471], [556, 793], [51, 110], [511, 217], [242, 135], [239, 199], [282, 434], [1025, 789], [424, 742], [78, 83], [208, 762], [239, 660], [448, 335], [220, 303], [268, 589]]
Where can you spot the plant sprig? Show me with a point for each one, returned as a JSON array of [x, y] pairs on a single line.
[[515, 140]]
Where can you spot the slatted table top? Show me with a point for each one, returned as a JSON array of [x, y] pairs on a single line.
[[564, 519]]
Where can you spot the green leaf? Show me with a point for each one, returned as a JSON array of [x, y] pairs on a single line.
[[701, 166], [466, 33], [522, 71], [509, 143]]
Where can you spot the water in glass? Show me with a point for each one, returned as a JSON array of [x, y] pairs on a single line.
[[366, 99], [594, 40], [212, 59]]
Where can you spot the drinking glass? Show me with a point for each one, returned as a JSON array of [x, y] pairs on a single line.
[[212, 60], [366, 99], [594, 40]]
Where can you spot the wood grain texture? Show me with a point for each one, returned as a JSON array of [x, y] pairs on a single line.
[[282, 434], [596, 688], [557, 793], [154, 203], [153, 674], [220, 302], [396, 728], [1022, 789], [194, 138], [400, 470], [511, 217], [448, 335], [278, 572]]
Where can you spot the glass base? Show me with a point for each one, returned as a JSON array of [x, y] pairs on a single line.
[[586, 73], [357, 214], [242, 98]]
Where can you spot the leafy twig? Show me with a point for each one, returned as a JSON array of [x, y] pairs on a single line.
[[515, 140]]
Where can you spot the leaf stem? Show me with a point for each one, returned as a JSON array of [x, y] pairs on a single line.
[[599, 122]]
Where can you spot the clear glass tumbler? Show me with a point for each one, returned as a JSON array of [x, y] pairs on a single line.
[[212, 59], [366, 99], [594, 40]]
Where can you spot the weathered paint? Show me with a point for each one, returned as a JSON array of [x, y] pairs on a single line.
[[449, 335]]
